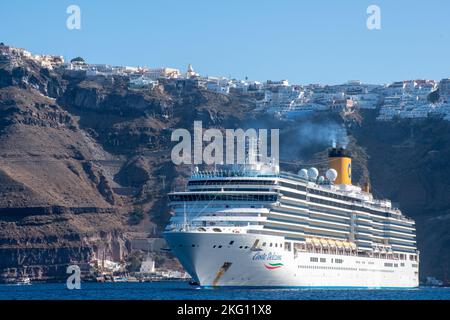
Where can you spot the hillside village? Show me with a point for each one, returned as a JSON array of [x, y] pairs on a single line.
[[402, 99]]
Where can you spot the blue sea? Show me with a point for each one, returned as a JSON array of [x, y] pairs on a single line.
[[174, 290]]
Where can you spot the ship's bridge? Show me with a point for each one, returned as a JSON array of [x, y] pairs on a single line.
[[224, 199]]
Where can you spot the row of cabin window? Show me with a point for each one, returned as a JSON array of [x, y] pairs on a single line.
[[316, 259], [229, 182], [229, 197], [318, 192], [330, 195], [329, 268], [246, 247]]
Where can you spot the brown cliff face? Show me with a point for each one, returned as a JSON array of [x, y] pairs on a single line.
[[43, 151], [54, 195], [78, 156]]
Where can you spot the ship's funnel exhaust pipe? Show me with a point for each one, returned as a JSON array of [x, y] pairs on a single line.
[[340, 160]]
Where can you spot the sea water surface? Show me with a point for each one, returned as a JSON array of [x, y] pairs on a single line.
[[178, 290]]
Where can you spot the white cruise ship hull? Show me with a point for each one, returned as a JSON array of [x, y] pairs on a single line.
[[215, 259]]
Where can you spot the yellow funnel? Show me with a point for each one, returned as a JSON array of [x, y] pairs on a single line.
[[341, 161]]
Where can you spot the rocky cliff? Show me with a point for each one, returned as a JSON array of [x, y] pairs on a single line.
[[80, 157]]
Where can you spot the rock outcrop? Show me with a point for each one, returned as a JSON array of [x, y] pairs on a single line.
[[78, 155]]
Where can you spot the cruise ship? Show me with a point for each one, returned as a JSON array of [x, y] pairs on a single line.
[[255, 226]]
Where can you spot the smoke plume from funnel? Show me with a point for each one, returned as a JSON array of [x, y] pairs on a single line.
[[309, 137], [338, 136], [326, 134]]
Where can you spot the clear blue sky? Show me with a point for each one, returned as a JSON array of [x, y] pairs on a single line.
[[303, 41]]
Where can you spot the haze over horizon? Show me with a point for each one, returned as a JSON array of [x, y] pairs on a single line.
[[321, 42]]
